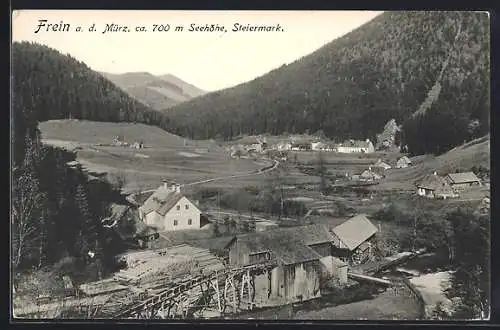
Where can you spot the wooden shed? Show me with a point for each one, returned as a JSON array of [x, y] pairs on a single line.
[[352, 239], [297, 253]]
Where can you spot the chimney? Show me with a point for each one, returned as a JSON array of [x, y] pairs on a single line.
[[165, 184], [178, 188]]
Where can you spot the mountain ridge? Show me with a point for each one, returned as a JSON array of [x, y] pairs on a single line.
[[157, 91], [350, 87]]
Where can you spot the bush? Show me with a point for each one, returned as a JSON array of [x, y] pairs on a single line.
[[386, 247]]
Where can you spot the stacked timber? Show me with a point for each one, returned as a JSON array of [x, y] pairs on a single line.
[[150, 269], [101, 287]]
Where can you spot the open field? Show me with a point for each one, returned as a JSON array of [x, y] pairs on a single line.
[[474, 153], [93, 132], [165, 156]]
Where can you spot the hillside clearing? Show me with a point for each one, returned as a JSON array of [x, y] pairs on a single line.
[[165, 156]]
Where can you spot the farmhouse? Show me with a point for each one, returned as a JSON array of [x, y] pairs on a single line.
[[403, 162], [370, 175], [353, 146], [461, 181], [352, 239], [301, 257], [168, 209], [435, 186], [282, 146]]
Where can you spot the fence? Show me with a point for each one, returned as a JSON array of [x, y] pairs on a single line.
[[406, 288]]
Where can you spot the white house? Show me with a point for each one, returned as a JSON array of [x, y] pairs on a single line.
[[352, 146], [168, 209]]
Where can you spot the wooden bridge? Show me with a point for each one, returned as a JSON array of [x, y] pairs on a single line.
[[216, 291]]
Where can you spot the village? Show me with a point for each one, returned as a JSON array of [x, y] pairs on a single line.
[[190, 257]]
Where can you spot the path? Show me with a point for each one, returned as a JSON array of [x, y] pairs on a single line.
[[259, 172]]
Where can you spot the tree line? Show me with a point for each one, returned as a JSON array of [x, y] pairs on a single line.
[[352, 86]]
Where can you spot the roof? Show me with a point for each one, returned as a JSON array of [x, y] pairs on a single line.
[[73, 163], [436, 183], [161, 201], [118, 210], [289, 245], [371, 173], [382, 164], [464, 177], [355, 231]]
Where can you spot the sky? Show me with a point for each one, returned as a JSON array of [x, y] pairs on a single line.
[[208, 60]]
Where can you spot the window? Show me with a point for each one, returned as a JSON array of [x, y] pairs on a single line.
[[190, 221], [178, 207], [175, 222], [187, 207]]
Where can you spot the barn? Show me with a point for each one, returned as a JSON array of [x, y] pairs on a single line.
[[301, 255], [461, 181]]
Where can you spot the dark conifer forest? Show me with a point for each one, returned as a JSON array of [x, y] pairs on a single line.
[[56, 210], [435, 64]]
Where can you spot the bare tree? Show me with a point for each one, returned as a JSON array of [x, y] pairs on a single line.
[[26, 206]]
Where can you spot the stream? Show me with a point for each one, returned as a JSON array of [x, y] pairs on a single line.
[[422, 265]]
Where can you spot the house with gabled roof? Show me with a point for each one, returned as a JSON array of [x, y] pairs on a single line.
[[435, 186], [461, 181], [355, 146], [168, 209], [403, 162], [353, 238], [371, 175]]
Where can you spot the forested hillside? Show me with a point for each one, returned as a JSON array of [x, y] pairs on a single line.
[[56, 211], [49, 85], [436, 63]]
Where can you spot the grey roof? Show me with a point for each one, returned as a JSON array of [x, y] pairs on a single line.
[[161, 201], [118, 210], [464, 177], [382, 164], [290, 245], [355, 231], [371, 174], [435, 183]]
